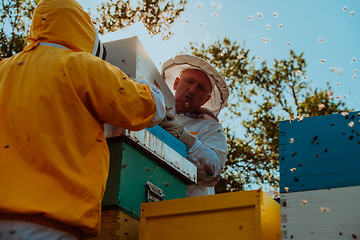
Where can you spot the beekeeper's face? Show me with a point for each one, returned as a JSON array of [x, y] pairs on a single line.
[[192, 91]]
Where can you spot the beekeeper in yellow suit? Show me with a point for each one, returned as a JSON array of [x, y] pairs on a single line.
[[55, 97]]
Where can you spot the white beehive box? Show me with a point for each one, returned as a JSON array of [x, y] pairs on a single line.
[[321, 214], [130, 56]]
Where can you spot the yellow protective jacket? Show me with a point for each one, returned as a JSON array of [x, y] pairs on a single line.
[[54, 159]]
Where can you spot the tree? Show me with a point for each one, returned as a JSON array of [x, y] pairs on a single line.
[[157, 16], [261, 98], [15, 25]]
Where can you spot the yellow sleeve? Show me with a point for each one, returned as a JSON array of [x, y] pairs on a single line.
[[109, 94]]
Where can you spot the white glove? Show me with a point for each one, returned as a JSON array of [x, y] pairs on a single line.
[[174, 127], [159, 100]]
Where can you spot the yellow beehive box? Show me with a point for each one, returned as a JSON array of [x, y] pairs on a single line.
[[237, 215]]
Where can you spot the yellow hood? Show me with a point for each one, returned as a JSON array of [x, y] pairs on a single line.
[[54, 17]]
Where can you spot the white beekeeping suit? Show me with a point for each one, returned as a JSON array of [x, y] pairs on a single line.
[[202, 133]]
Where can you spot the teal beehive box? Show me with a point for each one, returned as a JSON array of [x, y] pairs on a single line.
[[320, 152], [144, 168]]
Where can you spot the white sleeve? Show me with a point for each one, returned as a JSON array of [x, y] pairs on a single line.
[[159, 100], [209, 154]]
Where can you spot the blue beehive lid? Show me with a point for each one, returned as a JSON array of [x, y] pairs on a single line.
[[320, 152]]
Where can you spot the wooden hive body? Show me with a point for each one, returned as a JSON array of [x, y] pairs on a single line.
[[237, 215]]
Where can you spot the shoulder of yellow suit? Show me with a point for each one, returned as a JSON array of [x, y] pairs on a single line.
[[62, 22]]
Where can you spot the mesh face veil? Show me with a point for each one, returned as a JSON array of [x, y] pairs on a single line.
[[220, 92], [98, 50]]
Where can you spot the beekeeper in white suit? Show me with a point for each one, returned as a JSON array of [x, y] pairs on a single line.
[[200, 93]]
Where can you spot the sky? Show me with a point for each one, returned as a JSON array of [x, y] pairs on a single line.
[[326, 31]]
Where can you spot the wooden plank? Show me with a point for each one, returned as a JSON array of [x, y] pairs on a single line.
[[320, 152], [270, 218], [116, 225], [128, 227], [202, 203], [321, 214]]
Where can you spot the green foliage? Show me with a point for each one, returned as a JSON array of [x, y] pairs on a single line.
[[261, 98], [14, 25], [156, 15]]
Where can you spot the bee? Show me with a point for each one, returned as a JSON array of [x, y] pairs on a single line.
[[199, 4], [324, 209], [321, 106], [214, 14]]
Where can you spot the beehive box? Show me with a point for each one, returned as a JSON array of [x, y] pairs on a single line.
[[130, 56], [142, 169], [321, 214], [320, 152], [237, 215]]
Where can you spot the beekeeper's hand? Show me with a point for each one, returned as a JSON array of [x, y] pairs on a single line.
[[159, 100], [174, 127]]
